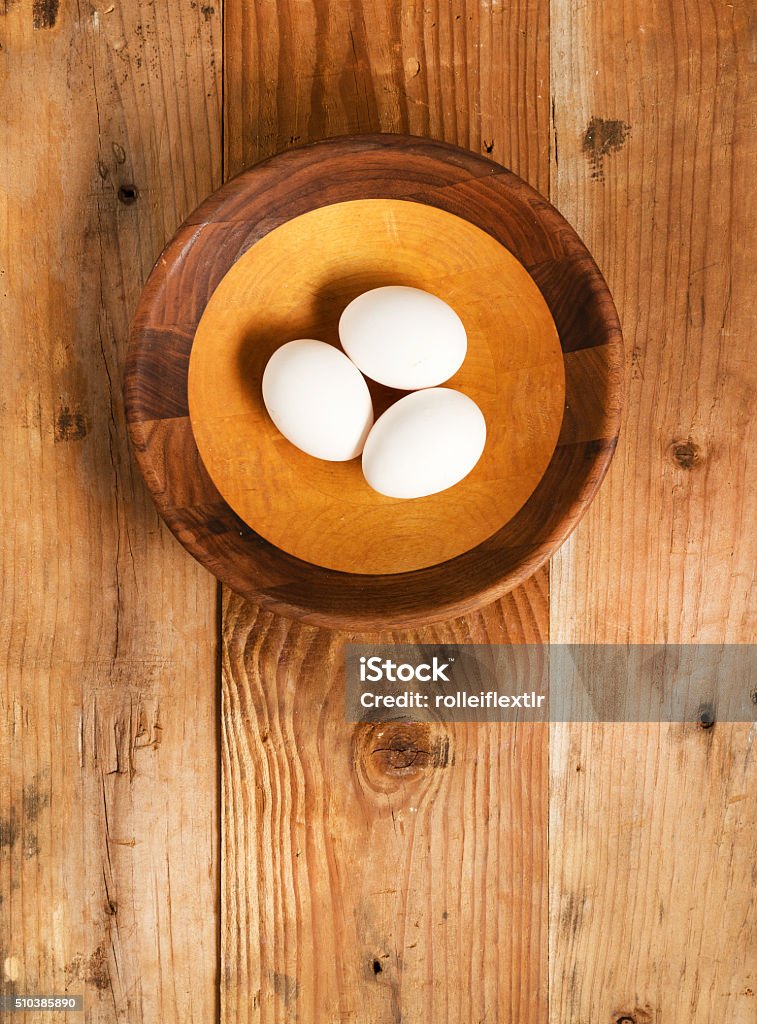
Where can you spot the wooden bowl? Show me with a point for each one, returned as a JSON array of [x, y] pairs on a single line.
[[276, 254]]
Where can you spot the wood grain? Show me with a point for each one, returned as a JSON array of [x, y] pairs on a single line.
[[110, 136], [325, 512], [376, 872], [374, 880], [652, 827], [108, 808], [242, 214], [472, 73]]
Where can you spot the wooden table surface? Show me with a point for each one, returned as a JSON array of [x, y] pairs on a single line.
[[189, 831]]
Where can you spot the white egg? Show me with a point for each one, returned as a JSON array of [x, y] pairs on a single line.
[[424, 443], [403, 337], [318, 399]]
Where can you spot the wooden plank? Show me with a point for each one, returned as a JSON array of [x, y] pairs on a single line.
[[471, 72], [376, 873], [651, 827], [109, 826], [371, 877]]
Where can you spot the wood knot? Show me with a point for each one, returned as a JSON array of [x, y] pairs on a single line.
[[602, 137], [635, 1016], [93, 969], [70, 424], [390, 752], [44, 14], [686, 454]]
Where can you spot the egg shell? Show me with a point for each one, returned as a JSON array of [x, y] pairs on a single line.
[[403, 337], [318, 399], [424, 443]]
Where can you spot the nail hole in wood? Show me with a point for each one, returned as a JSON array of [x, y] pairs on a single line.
[[706, 717], [128, 194], [377, 968]]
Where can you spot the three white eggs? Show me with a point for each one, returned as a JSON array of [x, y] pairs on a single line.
[[403, 338]]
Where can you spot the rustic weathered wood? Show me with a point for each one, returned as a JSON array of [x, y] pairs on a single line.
[[652, 861], [377, 872], [261, 199], [652, 828], [295, 283], [110, 135], [473, 73], [476, 75]]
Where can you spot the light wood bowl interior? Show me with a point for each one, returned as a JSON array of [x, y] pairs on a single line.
[[295, 283]]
